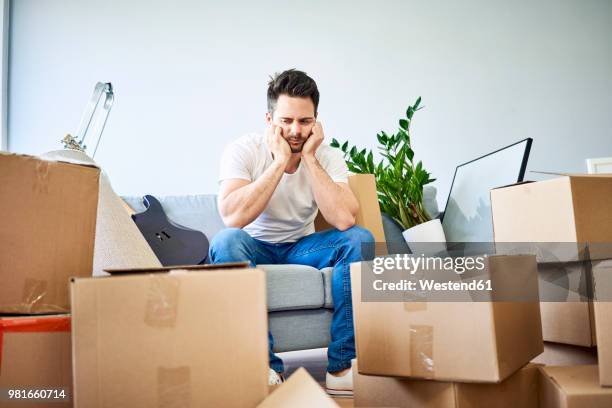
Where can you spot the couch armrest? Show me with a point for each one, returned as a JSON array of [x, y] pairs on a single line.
[[364, 188]]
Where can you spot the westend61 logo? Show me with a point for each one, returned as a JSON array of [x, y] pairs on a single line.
[[412, 264]]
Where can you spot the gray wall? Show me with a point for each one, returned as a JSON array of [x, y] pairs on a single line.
[[190, 76]]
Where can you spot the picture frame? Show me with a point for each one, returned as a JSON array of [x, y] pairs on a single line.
[[599, 165]]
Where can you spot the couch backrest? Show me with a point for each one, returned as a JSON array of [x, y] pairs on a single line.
[[198, 211]]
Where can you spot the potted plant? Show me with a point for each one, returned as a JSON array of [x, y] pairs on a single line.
[[399, 180]]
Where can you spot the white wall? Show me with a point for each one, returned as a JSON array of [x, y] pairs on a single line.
[[191, 75]]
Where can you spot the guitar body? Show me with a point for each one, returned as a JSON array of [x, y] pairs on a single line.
[[172, 243]]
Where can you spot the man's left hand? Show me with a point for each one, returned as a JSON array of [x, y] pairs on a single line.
[[314, 141]]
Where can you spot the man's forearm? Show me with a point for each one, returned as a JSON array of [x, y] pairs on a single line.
[[338, 206], [243, 205]]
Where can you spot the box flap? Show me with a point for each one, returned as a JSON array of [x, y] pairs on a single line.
[[300, 390], [64, 160], [123, 271], [513, 184], [562, 174]]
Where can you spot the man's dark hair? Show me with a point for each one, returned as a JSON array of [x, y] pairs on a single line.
[[292, 83]]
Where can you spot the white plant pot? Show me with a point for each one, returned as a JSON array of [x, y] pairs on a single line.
[[427, 238]]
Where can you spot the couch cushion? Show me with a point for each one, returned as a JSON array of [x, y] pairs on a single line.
[[292, 287], [198, 211], [300, 329]]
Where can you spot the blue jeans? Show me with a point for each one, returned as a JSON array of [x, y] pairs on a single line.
[[322, 249]]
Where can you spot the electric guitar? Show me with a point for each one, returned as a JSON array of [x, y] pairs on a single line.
[[173, 244]]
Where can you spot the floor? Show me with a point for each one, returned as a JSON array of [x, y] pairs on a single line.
[[315, 362]]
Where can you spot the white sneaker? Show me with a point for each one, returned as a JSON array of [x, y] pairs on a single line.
[[340, 386], [274, 378]]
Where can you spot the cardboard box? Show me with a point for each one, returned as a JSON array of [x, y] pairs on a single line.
[[368, 217], [572, 387], [47, 229], [179, 338], [566, 293], [519, 390], [299, 391], [602, 275], [567, 209], [35, 355], [480, 341], [556, 354]]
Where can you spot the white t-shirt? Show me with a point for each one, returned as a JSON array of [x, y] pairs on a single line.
[[292, 209]]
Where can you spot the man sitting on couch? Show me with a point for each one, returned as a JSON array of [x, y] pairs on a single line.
[[271, 188]]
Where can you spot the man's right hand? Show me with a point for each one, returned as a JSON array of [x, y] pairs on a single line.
[[277, 144]]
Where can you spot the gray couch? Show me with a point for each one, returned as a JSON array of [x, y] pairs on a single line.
[[299, 297]]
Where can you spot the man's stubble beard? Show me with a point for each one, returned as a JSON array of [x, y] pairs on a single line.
[[297, 149]]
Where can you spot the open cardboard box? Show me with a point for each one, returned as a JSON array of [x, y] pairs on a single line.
[[48, 223]]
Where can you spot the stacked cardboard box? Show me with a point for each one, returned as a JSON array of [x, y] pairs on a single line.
[[403, 346], [573, 387], [518, 390], [47, 229], [571, 218]]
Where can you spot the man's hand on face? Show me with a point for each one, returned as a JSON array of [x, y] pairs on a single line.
[[277, 144], [314, 141]]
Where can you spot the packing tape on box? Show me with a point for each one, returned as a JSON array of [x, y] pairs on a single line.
[[32, 299], [42, 176], [34, 291], [32, 325], [415, 306], [173, 387], [162, 300], [421, 351]]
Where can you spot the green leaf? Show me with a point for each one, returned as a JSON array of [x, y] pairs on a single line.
[[334, 143], [403, 124], [345, 146], [417, 103], [409, 154]]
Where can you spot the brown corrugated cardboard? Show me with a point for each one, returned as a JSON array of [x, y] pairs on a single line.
[[183, 338], [574, 208], [299, 391], [118, 243], [602, 275], [368, 217], [454, 341], [35, 355], [570, 319], [518, 390], [47, 229], [572, 387], [557, 354]]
